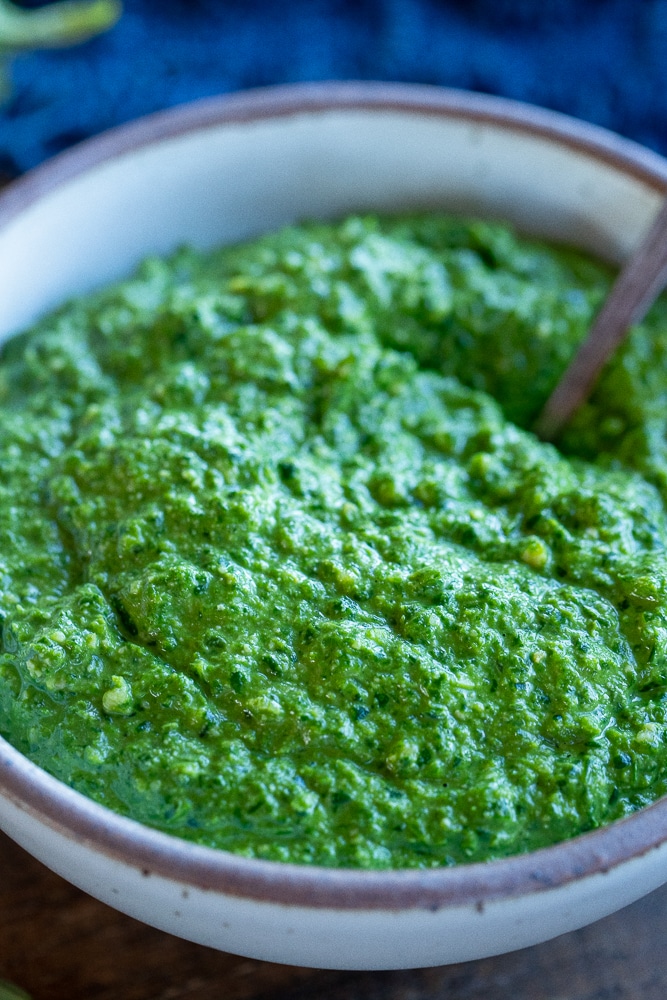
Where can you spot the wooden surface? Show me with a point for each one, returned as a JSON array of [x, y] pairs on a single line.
[[60, 944]]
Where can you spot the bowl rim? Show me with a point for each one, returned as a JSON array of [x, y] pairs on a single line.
[[152, 852], [287, 100]]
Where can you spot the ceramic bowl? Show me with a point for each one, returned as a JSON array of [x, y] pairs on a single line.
[[222, 170]]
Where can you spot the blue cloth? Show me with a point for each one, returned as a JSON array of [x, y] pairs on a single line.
[[602, 60]]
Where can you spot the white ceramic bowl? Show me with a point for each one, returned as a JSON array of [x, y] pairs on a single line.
[[221, 170]]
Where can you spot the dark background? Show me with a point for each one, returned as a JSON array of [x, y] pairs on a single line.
[[602, 60]]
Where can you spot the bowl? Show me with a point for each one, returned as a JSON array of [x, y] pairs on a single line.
[[218, 171]]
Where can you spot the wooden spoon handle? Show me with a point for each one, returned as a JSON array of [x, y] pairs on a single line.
[[636, 288]]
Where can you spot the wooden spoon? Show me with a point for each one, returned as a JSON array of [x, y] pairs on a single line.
[[633, 293]]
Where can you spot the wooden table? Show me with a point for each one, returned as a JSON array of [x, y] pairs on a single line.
[[59, 944]]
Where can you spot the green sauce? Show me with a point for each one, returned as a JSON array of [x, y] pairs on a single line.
[[281, 572]]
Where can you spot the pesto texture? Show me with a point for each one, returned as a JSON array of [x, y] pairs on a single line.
[[281, 572]]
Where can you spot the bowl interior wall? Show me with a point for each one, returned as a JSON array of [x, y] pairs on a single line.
[[230, 181]]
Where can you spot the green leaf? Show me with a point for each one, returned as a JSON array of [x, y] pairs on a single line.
[[10, 992], [66, 23]]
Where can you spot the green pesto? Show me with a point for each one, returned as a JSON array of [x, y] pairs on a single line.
[[281, 572]]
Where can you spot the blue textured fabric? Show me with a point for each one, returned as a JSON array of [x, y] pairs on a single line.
[[602, 60]]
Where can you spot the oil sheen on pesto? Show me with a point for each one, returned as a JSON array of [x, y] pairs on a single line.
[[283, 572]]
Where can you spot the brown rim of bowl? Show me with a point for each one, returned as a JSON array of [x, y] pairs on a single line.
[[154, 853], [310, 98]]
